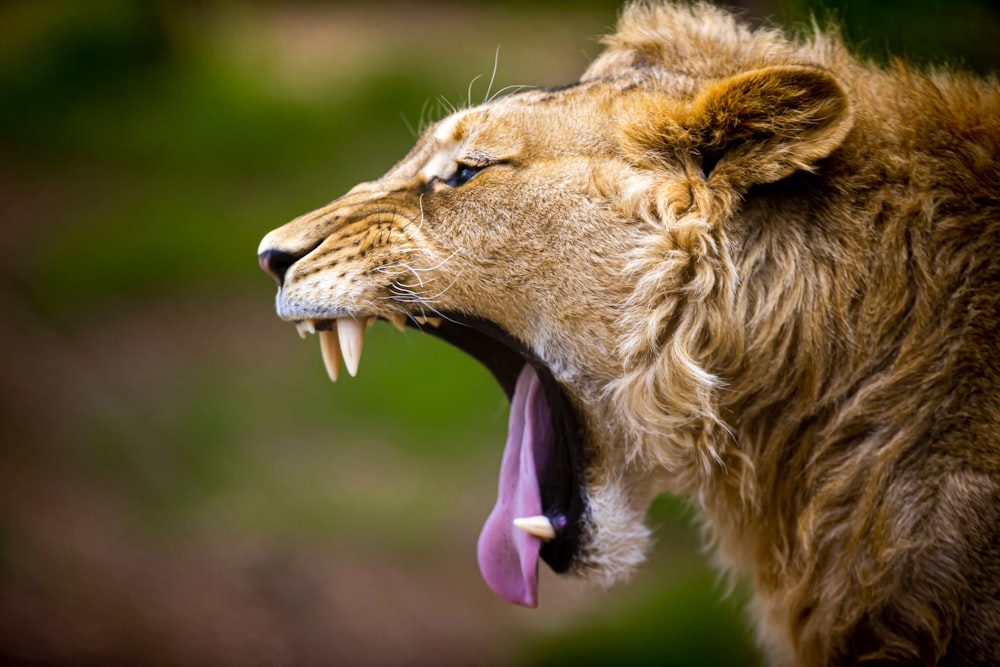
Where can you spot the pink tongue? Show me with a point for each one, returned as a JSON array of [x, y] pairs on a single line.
[[508, 556]]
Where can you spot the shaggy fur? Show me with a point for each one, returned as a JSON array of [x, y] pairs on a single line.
[[768, 277]]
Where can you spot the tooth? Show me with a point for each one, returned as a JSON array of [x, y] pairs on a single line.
[[330, 349], [352, 337], [539, 526], [433, 321], [398, 320], [305, 327]]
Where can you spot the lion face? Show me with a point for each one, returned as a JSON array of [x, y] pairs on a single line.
[[578, 242], [493, 234]]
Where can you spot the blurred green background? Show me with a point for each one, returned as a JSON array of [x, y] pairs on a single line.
[[179, 483]]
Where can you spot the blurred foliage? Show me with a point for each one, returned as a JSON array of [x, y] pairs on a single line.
[[683, 621], [959, 33], [134, 92], [147, 146], [204, 158]]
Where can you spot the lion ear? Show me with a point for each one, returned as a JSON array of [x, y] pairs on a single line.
[[761, 126]]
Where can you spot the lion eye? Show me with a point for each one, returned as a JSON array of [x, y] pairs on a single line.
[[463, 174]]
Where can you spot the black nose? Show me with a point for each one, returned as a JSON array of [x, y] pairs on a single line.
[[276, 262]]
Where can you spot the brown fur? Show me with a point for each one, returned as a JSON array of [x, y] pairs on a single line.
[[768, 276]]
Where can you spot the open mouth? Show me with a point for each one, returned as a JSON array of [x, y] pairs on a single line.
[[540, 499]]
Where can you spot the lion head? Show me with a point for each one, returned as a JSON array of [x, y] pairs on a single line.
[[573, 240]]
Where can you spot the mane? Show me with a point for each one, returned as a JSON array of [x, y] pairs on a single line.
[[706, 42], [716, 302]]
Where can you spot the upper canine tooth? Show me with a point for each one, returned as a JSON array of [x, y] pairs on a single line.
[[398, 320], [305, 327], [540, 526], [352, 336], [330, 349]]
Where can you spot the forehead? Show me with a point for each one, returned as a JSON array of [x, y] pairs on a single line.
[[540, 118]]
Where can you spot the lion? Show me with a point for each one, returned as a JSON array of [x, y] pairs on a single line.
[[744, 268]]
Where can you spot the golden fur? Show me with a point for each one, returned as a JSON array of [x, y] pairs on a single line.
[[768, 276]]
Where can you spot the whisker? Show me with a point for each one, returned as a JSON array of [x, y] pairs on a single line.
[[513, 87], [438, 313], [468, 93], [420, 203], [424, 119], [448, 107], [441, 263], [420, 281], [493, 76], [442, 292], [409, 128]]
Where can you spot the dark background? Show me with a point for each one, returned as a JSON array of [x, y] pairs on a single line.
[[179, 483]]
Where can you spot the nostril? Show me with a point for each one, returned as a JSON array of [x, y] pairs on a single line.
[[276, 263]]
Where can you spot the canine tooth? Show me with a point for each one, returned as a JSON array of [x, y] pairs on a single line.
[[420, 319], [352, 337], [330, 349], [305, 327], [539, 526], [398, 320]]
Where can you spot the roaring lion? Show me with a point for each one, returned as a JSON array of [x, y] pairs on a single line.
[[743, 268]]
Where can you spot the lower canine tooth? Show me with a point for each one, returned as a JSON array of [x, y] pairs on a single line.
[[539, 526], [330, 348], [352, 337]]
